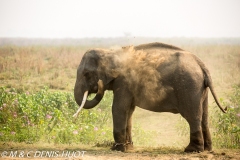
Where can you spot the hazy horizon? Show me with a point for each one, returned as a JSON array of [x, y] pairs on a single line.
[[117, 41], [108, 19]]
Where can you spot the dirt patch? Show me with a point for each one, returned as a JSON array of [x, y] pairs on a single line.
[[97, 153]]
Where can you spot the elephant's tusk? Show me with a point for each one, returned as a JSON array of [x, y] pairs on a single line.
[[83, 103]]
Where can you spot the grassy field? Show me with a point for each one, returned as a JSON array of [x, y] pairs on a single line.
[[31, 68], [35, 66]]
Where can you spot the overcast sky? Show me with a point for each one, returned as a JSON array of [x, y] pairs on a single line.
[[115, 18]]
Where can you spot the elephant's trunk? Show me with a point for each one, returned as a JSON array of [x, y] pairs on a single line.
[[92, 103], [86, 104], [83, 103]]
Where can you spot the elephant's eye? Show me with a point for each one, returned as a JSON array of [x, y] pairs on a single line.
[[86, 74]]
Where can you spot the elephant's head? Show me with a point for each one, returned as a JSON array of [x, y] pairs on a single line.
[[91, 78]]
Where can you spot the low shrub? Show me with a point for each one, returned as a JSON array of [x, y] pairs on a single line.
[[46, 116], [227, 126]]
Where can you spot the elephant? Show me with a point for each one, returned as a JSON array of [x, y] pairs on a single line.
[[157, 77]]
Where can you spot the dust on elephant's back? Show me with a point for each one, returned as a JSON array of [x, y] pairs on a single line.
[[143, 71]]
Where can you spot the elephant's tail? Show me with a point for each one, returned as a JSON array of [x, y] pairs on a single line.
[[208, 83]]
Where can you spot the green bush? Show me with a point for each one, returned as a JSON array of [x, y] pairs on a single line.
[[227, 126], [46, 116]]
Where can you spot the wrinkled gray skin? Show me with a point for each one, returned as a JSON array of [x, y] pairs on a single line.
[[183, 84]]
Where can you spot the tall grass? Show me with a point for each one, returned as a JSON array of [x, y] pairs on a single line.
[[223, 61], [55, 66], [38, 66]]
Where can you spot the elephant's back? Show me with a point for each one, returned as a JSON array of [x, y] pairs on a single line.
[[157, 45]]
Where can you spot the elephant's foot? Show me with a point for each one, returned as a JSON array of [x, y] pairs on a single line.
[[122, 146], [207, 139], [208, 146], [129, 146], [207, 143], [194, 148], [118, 147], [196, 143]]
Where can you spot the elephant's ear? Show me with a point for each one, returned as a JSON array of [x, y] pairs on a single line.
[[107, 77], [107, 73], [106, 69]]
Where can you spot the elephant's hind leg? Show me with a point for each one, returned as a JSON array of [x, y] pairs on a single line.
[[196, 141], [205, 129], [196, 136]]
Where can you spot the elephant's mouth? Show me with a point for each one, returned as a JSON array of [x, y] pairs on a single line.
[[88, 104], [92, 91]]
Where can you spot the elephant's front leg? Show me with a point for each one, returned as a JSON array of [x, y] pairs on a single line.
[[129, 142], [121, 110]]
